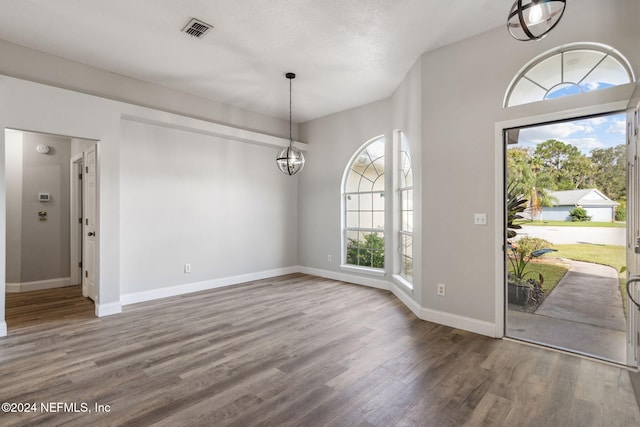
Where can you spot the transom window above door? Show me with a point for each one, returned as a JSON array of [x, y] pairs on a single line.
[[569, 70]]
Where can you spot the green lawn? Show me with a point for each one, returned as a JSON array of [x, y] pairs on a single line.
[[613, 256], [570, 224], [552, 271]]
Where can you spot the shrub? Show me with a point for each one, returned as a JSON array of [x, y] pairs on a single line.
[[368, 252], [521, 252], [621, 212], [579, 215]]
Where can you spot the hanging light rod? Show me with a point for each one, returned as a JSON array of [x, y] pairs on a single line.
[[534, 19], [290, 160]]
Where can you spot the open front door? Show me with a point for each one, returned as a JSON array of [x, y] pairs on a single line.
[[89, 287], [633, 236]]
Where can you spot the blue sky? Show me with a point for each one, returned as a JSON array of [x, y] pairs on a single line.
[[586, 134]]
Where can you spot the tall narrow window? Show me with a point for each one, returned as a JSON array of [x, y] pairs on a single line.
[[364, 204], [405, 198]]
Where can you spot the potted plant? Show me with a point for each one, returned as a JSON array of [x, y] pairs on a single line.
[[520, 254]]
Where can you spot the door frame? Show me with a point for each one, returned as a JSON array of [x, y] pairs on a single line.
[[633, 229], [499, 190], [90, 257], [75, 272]]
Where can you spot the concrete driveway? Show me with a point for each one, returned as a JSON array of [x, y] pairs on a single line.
[[570, 235]]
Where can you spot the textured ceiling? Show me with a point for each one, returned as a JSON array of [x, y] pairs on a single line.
[[345, 52]]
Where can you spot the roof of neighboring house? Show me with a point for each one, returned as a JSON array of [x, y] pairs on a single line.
[[587, 197]]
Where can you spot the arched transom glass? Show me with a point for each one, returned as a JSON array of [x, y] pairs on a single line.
[[569, 70]]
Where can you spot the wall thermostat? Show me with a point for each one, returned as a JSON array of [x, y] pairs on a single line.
[[44, 149], [44, 197]]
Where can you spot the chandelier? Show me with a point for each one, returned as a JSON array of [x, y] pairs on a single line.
[[290, 160], [533, 19]]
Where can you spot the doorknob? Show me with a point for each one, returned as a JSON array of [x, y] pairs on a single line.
[[629, 283], [91, 233]]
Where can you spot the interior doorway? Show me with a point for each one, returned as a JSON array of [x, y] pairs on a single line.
[[46, 211], [565, 258]]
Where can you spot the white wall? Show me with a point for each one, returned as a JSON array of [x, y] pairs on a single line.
[[28, 64], [336, 138], [13, 152], [45, 244], [462, 89], [219, 205], [42, 108], [453, 122]]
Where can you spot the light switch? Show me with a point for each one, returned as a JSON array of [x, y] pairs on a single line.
[[480, 219]]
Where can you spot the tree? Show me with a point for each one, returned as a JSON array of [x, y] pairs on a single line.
[[610, 171], [568, 169], [532, 179]]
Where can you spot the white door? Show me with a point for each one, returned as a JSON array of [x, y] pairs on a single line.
[[633, 236], [77, 220], [89, 287]]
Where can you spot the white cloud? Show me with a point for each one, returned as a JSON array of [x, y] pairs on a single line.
[[559, 131], [585, 145], [591, 86], [595, 121], [617, 126]]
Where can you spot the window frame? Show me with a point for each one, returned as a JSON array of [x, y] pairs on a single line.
[[347, 228], [405, 193]]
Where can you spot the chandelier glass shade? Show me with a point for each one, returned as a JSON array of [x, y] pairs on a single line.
[[533, 19], [290, 160]]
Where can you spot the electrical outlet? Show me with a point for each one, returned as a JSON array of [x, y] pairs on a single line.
[[480, 219], [187, 268], [441, 290], [328, 258]]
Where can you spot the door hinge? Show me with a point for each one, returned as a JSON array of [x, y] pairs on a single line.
[[86, 169], [86, 273], [80, 176], [80, 264], [80, 220], [86, 221]]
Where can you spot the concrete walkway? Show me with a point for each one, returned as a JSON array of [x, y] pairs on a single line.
[[583, 313]]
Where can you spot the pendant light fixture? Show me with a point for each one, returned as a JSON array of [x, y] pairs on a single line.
[[290, 160], [533, 19]]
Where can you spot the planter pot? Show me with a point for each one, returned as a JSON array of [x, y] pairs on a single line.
[[518, 294]]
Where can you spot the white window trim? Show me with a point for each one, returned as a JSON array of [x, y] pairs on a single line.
[[343, 215]]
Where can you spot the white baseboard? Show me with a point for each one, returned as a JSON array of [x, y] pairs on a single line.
[[459, 322], [38, 285], [346, 277], [413, 305], [103, 310], [435, 316], [187, 288]]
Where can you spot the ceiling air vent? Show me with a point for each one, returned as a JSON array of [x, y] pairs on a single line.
[[196, 28]]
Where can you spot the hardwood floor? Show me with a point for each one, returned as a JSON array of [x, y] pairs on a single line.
[[291, 351]]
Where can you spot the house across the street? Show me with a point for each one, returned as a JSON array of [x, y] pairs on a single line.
[[598, 206]]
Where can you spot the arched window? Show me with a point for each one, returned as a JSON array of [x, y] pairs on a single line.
[[405, 199], [364, 203], [569, 70]]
